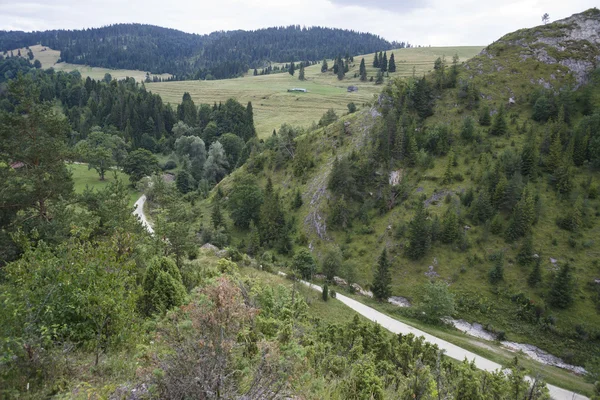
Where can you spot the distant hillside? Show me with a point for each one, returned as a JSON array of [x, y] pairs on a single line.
[[218, 55]]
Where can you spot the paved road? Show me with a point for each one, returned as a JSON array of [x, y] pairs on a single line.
[[395, 326], [139, 212], [451, 350]]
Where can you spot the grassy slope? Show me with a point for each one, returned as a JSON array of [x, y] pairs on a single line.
[[49, 59], [501, 75], [273, 105], [84, 177]]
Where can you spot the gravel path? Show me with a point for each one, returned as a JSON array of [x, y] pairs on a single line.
[[395, 326]]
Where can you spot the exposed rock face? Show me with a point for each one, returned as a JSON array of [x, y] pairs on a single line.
[[573, 42]]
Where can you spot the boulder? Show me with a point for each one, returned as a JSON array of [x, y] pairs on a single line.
[[339, 281]]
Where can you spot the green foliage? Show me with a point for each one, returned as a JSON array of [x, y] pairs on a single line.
[[484, 116], [525, 256], [450, 226], [499, 125], [382, 279], [139, 164], [162, 286], [561, 292], [245, 200], [497, 272], [185, 182], [304, 263], [328, 118], [102, 151], [535, 276], [436, 300], [419, 234], [332, 262], [272, 225], [325, 293]]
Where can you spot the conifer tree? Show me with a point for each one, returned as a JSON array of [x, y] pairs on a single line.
[[324, 66], [499, 126], [363, 71], [301, 73], [561, 293], [379, 80], [525, 254], [499, 191], [450, 226], [292, 68], [297, 203], [272, 227], [384, 62], [484, 116], [255, 72], [340, 70], [467, 132], [376, 61], [419, 234], [535, 277], [563, 177], [529, 156], [523, 216], [482, 209], [216, 216], [555, 156], [448, 173], [382, 279], [253, 240], [392, 64], [497, 271], [325, 293]]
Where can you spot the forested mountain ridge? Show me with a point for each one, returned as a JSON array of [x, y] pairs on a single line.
[[191, 56], [483, 176]]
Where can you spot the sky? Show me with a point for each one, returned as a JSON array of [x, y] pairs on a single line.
[[427, 22]]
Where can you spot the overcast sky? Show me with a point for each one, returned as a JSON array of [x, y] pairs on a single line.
[[428, 22]]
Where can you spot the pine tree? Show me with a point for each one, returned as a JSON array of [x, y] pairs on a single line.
[[376, 61], [499, 126], [525, 254], [392, 64], [272, 226], [297, 200], [481, 209], [255, 72], [216, 216], [382, 279], [535, 277], [292, 68], [384, 62], [563, 177], [484, 116], [448, 173], [324, 66], [340, 70], [379, 80], [555, 157], [523, 216], [363, 71], [419, 234], [450, 226], [301, 74], [530, 156], [561, 293], [497, 271]]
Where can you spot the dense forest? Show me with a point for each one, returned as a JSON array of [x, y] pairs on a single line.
[[190, 56]]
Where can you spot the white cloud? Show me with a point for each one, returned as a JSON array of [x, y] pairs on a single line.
[[433, 22]]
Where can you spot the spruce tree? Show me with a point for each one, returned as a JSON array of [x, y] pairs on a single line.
[[497, 271], [301, 73], [392, 64], [297, 203], [529, 156], [525, 254], [555, 157], [292, 69], [363, 70], [253, 240], [447, 179], [341, 72], [419, 234], [379, 80], [384, 62], [450, 226], [523, 216], [324, 66], [216, 216], [376, 61], [325, 293], [272, 226], [499, 126], [382, 279], [535, 277], [255, 72], [561, 293], [484, 116]]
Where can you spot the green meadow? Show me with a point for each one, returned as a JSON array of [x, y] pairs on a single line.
[[273, 105], [88, 178]]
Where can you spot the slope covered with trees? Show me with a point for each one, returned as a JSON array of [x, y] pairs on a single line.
[[191, 56], [480, 175]]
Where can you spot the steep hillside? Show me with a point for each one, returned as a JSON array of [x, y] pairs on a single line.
[[481, 175], [191, 56]]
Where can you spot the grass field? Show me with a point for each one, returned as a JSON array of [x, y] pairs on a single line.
[[49, 59], [273, 105], [84, 178]]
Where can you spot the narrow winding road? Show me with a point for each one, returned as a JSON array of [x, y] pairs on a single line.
[[395, 326]]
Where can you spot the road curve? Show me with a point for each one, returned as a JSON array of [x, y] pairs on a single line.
[[395, 326], [139, 213], [451, 350]]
